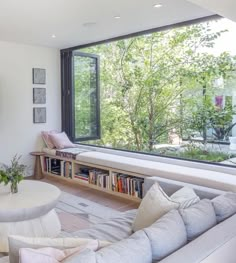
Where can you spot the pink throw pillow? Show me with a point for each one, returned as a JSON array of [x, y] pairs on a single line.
[[53, 255], [61, 140], [47, 140]]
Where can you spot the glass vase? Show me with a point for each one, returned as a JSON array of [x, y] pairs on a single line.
[[14, 188]]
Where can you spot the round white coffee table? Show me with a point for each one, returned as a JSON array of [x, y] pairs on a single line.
[[30, 212]]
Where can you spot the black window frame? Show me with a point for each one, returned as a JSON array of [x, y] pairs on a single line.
[[68, 94]]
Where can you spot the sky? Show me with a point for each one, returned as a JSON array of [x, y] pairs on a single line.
[[227, 41]]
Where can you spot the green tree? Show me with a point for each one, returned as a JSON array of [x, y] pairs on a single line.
[[156, 83]]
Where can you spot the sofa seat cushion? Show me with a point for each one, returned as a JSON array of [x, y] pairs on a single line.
[[198, 218], [207, 178], [208, 244], [113, 230]]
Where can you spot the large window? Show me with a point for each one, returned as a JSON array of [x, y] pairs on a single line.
[[170, 93]]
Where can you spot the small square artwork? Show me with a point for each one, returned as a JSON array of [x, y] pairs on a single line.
[[39, 115], [39, 95], [39, 76]]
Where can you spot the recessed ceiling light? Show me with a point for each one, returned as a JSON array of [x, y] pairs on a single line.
[[157, 5], [53, 36], [117, 17]]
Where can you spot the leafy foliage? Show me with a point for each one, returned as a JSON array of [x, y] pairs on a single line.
[[13, 173], [195, 152], [158, 83]]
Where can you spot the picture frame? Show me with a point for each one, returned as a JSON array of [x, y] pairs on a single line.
[[39, 95], [39, 115], [39, 76]]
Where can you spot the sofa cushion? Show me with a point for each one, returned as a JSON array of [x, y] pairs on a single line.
[[220, 237], [166, 235], [113, 230], [225, 206], [135, 249], [153, 206], [198, 218], [18, 242], [54, 255], [87, 256], [186, 197]]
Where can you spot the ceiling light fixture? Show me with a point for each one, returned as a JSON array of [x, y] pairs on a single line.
[[117, 17], [157, 6], [53, 36]]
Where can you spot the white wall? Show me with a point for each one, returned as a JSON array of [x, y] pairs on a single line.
[[18, 134], [224, 8]]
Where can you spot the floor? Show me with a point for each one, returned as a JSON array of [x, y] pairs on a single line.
[[73, 222]]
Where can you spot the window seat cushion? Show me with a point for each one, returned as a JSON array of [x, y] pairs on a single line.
[[207, 178]]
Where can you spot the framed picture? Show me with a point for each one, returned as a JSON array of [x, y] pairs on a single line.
[[39, 95], [39, 76], [39, 115]]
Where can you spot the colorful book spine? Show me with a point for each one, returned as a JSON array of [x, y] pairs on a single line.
[[127, 184]]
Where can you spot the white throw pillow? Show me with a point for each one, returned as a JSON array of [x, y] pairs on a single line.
[[54, 255], [166, 235], [185, 197], [198, 218], [18, 242], [225, 206], [154, 205]]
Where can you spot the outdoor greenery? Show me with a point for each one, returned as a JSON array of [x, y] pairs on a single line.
[[160, 84], [196, 152]]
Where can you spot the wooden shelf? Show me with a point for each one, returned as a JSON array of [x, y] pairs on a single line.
[[103, 172]]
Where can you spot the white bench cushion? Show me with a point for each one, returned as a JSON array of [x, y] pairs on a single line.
[[212, 179]]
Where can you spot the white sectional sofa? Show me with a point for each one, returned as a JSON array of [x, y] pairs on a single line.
[[217, 245]]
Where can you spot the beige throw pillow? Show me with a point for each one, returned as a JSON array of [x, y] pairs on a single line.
[[153, 206]]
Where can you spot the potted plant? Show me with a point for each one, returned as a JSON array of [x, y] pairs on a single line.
[[13, 174]]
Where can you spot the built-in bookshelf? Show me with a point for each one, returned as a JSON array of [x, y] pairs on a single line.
[[113, 181], [126, 184], [92, 175], [58, 167]]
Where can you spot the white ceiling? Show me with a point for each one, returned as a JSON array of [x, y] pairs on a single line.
[[34, 21], [226, 8]]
